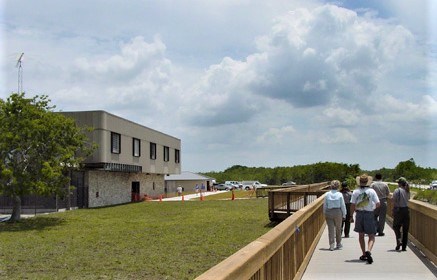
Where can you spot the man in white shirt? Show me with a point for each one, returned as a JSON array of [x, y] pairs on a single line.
[[364, 200]]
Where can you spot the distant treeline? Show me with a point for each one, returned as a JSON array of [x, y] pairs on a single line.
[[323, 171]]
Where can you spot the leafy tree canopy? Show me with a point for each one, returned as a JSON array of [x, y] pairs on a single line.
[[301, 174], [37, 148], [323, 171]]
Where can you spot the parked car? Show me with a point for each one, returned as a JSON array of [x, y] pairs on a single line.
[[223, 187], [433, 185], [289, 184], [250, 185], [257, 185], [234, 184]]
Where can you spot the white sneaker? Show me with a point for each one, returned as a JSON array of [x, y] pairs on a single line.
[[331, 247], [339, 246]]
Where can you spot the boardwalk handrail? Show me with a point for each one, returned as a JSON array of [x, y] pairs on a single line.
[[281, 253], [423, 226], [284, 202], [263, 192]]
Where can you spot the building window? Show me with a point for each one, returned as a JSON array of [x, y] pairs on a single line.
[[166, 153], [177, 156], [152, 150], [115, 143], [136, 147]]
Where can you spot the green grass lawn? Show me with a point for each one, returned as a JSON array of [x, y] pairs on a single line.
[[147, 240]]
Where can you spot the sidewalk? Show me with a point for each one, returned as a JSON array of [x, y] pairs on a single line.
[[388, 263], [4, 218], [190, 196]]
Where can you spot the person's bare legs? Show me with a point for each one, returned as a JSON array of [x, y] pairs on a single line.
[[369, 248], [371, 242], [362, 242]]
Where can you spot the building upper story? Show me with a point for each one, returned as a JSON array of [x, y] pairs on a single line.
[[125, 146]]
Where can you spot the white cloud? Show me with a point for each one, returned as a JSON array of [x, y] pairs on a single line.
[[139, 77], [336, 55], [339, 136], [275, 135], [240, 82], [338, 116], [136, 57]]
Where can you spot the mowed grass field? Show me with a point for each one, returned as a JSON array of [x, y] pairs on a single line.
[[147, 240]]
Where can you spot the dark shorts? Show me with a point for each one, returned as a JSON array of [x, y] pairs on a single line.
[[365, 222]]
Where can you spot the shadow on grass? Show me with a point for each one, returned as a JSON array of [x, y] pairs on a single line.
[[37, 223], [112, 205], [272, 224]]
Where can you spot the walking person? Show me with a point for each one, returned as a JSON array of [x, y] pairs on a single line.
[[335, 211], [401, 213], [347, 194], [364, 200], [380, 213]]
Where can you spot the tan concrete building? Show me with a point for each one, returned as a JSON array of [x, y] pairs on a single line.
[[130, 161], [188, 181]]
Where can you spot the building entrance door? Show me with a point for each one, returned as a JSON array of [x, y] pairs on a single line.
[[135, 191]]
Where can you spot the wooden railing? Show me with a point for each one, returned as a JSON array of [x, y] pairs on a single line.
[[264, 191], [281, 253], [284, 202], [284, 252], [423, 226]]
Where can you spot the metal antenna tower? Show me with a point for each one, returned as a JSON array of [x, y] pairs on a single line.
[[20, 74]]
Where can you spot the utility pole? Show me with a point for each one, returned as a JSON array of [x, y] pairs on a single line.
[[20, 74]]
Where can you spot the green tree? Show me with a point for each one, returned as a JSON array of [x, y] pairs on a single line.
[[407, 169], [38, 148]]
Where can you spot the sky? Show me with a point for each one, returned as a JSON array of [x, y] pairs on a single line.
[[241, 82]]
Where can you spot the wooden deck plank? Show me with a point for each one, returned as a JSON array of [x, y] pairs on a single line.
[[388, 263]]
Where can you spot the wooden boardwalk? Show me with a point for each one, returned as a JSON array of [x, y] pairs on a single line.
[[388, 263]]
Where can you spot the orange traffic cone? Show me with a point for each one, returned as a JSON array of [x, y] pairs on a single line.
[[201, 196], [183, 199], [233, 195], [160, 198]]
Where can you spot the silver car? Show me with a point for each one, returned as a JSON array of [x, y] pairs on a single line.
[[223, 187], [289, 184]]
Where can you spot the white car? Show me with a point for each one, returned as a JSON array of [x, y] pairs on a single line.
[[257, 184], [223, 187], [250, 185], [433, 185], [234, 184], [289, 184]]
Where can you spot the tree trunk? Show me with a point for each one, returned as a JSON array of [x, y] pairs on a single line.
[[16, 208]]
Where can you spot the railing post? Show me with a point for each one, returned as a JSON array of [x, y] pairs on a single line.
[[288, 204], [271, 205]]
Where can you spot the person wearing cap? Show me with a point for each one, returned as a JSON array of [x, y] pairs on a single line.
[[335, 212], [347, 194], [383, 192], [363, 202], [401, 214]]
